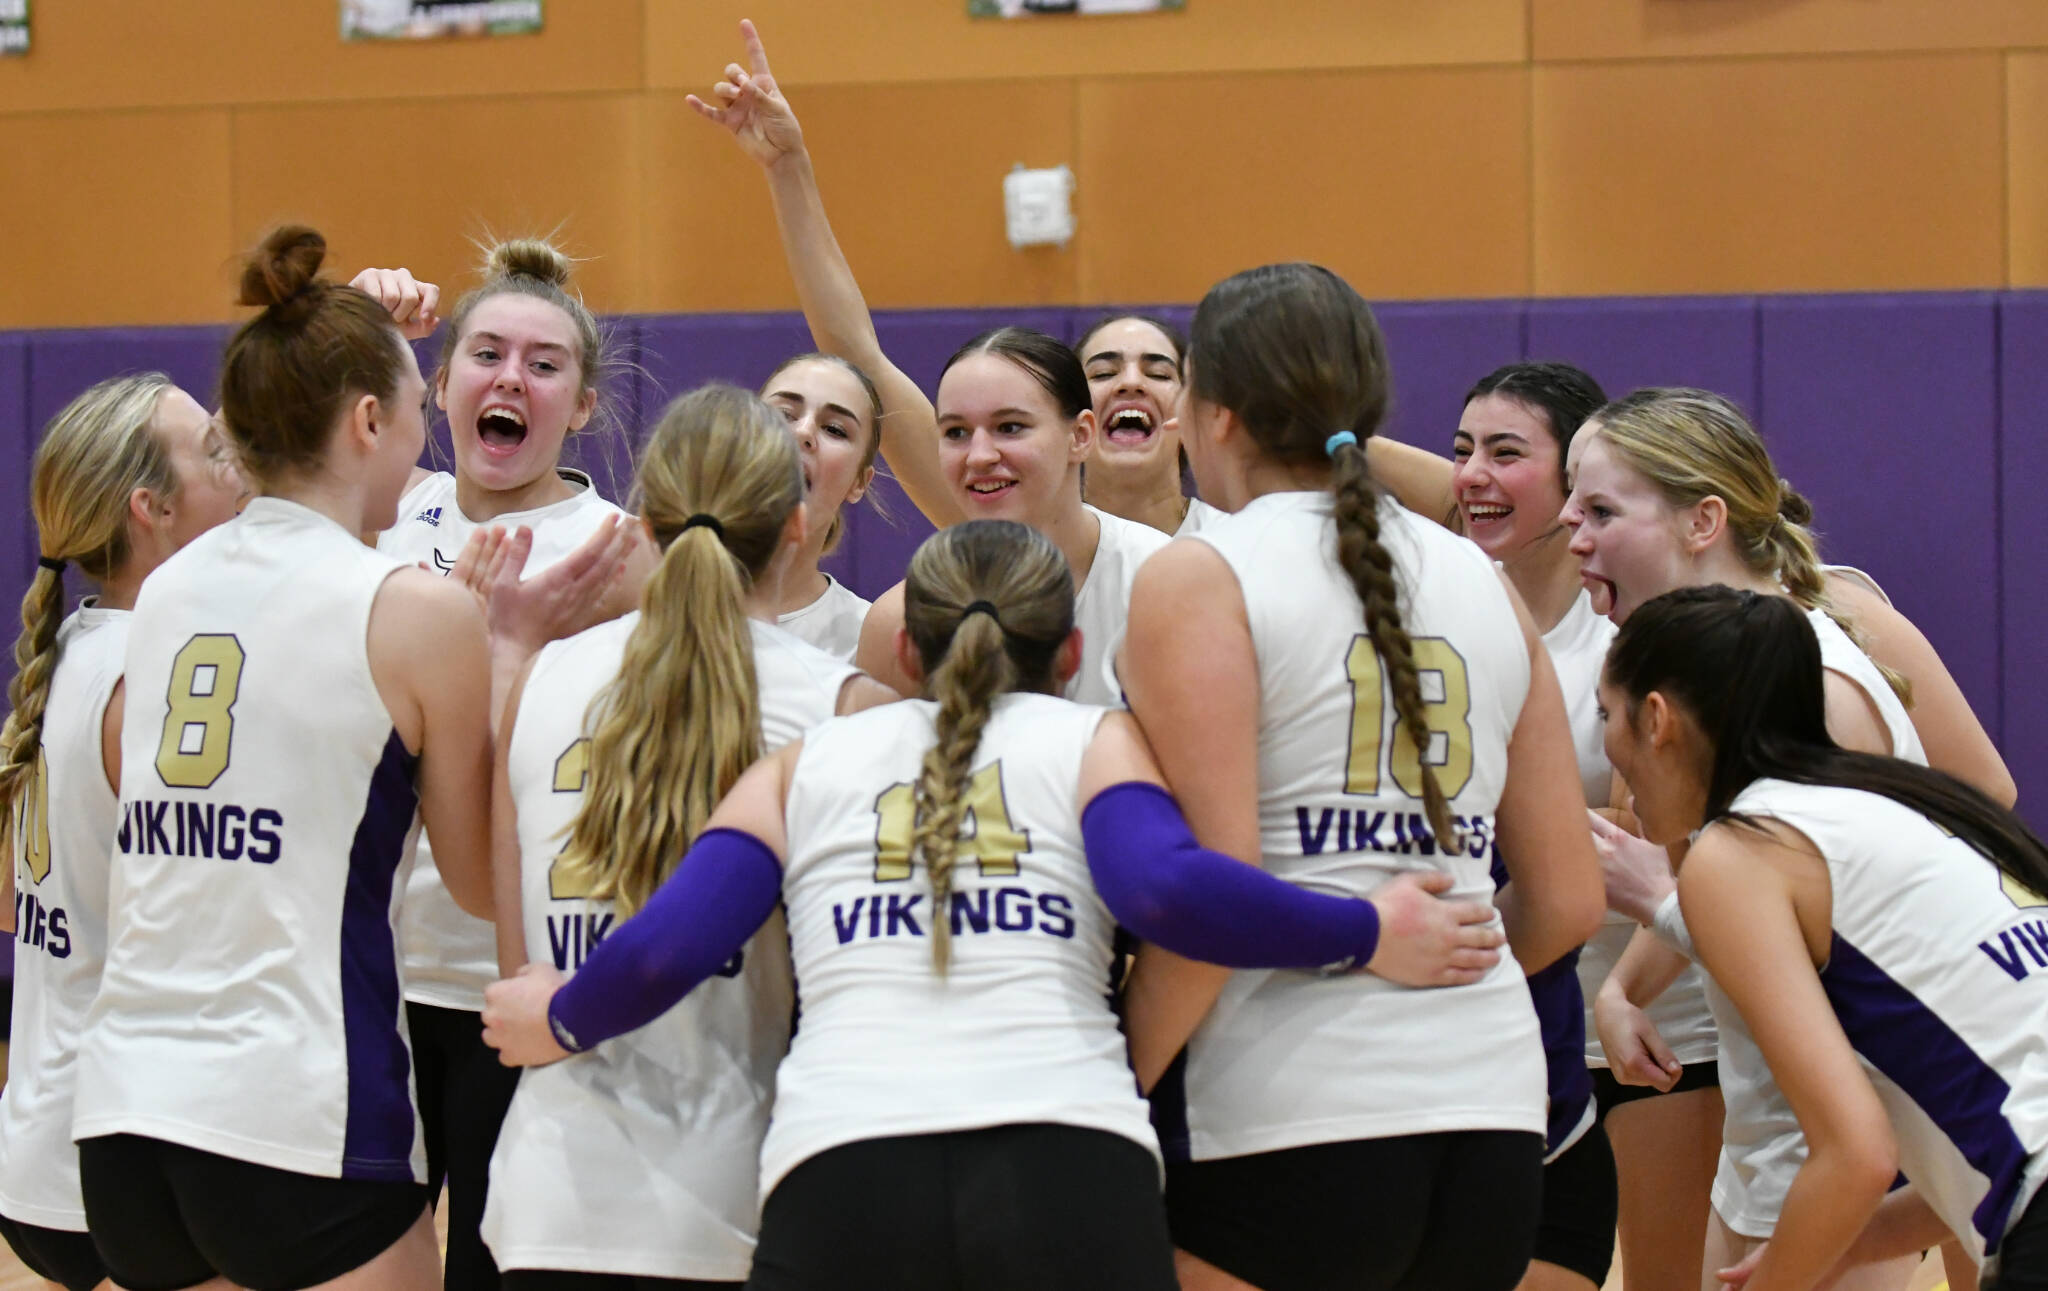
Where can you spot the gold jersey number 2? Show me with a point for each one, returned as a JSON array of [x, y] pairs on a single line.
[[32, 822], [994, 842], [199, 730], [572, 774], [1446, 702]]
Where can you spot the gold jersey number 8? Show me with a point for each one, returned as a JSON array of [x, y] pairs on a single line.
[[206, 675]]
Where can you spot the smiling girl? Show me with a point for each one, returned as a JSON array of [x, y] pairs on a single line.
[[1134, 366], [835, 411], [520, 364]]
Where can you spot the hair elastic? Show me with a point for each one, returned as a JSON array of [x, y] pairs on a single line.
[[707, 521], [1337, 441], [50, 563], [982, 607]]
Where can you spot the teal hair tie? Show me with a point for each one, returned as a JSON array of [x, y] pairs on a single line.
[[1338, 440]]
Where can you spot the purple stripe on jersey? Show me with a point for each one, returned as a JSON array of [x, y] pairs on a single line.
[[1561, 1015], [378, 1142], [1921, 1054]]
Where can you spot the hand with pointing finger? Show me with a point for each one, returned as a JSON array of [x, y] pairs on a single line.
[[750, 106]]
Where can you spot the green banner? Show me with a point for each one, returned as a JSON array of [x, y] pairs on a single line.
[[433, 19], [13, 27]]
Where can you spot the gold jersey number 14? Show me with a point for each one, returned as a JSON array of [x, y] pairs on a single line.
[[995, 843]]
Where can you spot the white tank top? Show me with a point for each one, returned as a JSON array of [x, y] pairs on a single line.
[[450, 956], [1934, 975], [1761, 1146], [1020, 1030], [831, 623], [63, 835], [1286, 1059], [250, 1004], [1102, 605], [1578, 649], [1198, 516], [641, 1156]]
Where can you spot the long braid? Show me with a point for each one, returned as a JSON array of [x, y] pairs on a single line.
[[35, 663], [976, 670], [1371, 569]]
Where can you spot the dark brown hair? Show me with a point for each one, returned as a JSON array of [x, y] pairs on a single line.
[[291, 370]]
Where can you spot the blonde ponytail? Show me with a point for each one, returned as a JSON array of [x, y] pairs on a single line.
[[93, 456], [718, 481]]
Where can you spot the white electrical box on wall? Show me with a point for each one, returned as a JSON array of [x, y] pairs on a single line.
[[1038, 206]]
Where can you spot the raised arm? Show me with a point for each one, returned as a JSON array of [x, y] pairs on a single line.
[[1418, 478], [751, 107]]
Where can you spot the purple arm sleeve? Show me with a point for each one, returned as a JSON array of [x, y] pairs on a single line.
[[724, 890], [1173, 892]]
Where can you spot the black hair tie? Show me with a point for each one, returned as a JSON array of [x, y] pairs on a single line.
[[707, 521], [983, 607], [52, 564]]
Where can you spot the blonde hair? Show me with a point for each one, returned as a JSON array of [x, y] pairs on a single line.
[[92, 458], [1694, 444], [988, 604], [535, 267], [683, 718]]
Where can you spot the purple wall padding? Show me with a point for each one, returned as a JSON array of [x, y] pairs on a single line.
[[1710, 342], [1437, 350], [1883, 410], [2023, 563]]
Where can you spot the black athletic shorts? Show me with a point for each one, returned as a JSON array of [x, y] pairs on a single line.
[[1609, 1093], [1434, 1212], [1012, 1208], [166, 1216], [563, 1280], [2023, 1254], [56, 1255], [1581, 1205]]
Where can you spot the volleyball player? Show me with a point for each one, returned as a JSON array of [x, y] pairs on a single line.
[[836, 414], [293, 699], [625, 738], [956, 1109], [1344, 1130], [1869, 918], [519, 373], [126, 474], [1133, 363], [1674, 488]]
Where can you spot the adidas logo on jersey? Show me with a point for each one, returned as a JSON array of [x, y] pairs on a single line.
[[430, 516]]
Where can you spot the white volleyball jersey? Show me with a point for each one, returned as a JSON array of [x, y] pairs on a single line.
[[63, 835], [250, 1004], [1286, 1059], [1761, 1146], [831, 623], [1578, 650], [1020, 1029], [641, 1156], [1199, 514], [451, 955], [1935, 973], [1102, 605]]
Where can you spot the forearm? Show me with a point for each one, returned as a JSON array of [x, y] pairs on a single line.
[[1170, 891], [1645, 970], [719, 896], [826, 289], [1831, 1199], [1903, 1224]]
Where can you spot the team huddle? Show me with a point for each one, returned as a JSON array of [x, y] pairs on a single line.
[[1384, 870]]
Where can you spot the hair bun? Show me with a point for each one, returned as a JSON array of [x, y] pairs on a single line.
[[284, 268], [1794, 508], [528, 258]]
